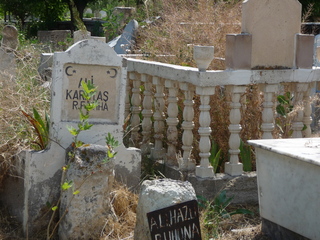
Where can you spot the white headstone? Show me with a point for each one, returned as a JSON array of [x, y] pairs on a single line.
[[86, 60], [273, 25]]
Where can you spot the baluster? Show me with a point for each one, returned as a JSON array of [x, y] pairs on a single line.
[[267, 125], [172, 121], [127, 98], [234, 167], [307, 119], [297, 123], [159, 105], [146, 113], [186, 164], [135, 110], [205, 170]]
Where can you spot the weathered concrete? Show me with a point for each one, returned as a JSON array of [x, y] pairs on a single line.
[[288, 172], [238, 51], [158, 194], [243, 188], [273, 25], [304, 50], [85, 212], [88, 59]]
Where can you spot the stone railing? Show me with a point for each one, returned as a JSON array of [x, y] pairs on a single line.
[[152, 101]]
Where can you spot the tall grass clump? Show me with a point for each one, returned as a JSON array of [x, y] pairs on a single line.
[[24, 91]]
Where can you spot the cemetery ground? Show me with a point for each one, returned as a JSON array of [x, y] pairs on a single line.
[[29, 90]]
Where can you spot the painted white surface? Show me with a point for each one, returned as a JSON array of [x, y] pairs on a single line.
[[288, 172]]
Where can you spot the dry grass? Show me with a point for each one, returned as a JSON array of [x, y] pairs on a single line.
[[24, 91], [121, 226], [185, 23]]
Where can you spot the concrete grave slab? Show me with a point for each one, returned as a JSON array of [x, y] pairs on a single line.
[[273, 25], [85, 60]]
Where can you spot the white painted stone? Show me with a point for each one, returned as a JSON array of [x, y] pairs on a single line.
[[158, 194], [89, 59], [288, 172], [273, 25], [203, 55]]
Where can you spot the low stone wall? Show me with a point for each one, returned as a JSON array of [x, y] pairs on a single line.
[[243, 188]]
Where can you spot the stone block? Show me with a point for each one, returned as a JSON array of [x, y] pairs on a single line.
[[304, 50], [238, 51], [273, 25], [158, 194], [85, 213]]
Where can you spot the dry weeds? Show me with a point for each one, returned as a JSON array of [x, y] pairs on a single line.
[[25, 91], [185, 23]]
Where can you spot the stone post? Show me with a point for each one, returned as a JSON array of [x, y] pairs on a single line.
[[267, 125], [159, 104], [146, 113], [172, 121], [234, 167], [135, 109], [205, 170], [186, 163]]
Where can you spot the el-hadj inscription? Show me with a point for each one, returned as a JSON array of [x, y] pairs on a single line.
[[178, 222], [105, 79]]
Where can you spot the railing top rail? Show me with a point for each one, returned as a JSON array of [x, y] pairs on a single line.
[[222, 77]]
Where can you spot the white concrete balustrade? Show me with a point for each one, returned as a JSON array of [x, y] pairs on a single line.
[[162, 119]]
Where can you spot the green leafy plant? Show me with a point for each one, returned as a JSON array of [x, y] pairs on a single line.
[[246, 156], [217, 210], [112, 143], [214, 158], [89, 90], [41, 128], [112, 24], [285, 111]]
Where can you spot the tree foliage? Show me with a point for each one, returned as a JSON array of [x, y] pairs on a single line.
[[312, 7]]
